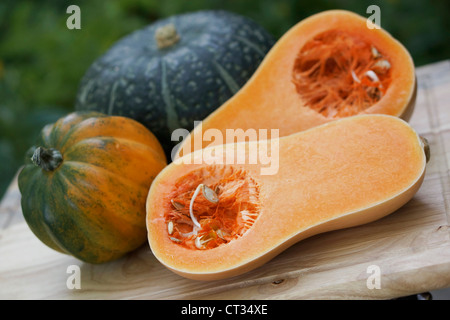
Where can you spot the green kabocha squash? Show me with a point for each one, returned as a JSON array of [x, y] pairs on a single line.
[[175, 71], [85, 184]]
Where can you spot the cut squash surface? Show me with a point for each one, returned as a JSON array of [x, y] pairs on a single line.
[[339, 74], [214, 220], [328, 66]]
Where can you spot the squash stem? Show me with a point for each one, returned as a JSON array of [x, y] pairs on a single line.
[[166, 36], [426, 147], [47, 159]]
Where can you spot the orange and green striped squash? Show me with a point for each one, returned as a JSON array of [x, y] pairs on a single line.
[[85, 185]]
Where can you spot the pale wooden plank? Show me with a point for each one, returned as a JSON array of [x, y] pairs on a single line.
[[10, 211]]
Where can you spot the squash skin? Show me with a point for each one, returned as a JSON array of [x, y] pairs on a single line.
[[170, 88], [92, 206], [268, 237], [269, 100]]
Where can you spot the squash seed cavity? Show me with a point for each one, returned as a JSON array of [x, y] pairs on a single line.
[[211, 207], [339, 74]]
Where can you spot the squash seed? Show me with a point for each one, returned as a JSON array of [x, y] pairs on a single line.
[[191, 205], [382, 66], [200, 244], [375, 52], [355, 77], [210, 194], [373, 76], [170, 227], [221, 234], [177, 205], [175, 239]]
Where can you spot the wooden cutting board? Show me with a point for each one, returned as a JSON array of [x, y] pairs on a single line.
[[409, 250]]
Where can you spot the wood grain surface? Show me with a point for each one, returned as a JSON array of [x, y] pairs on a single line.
[[411, 247]]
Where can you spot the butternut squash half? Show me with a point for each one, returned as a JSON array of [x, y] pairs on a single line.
[[216, 213], [328, 66]]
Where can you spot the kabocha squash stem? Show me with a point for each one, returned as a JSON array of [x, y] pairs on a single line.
[[166, 36], [47, 159]]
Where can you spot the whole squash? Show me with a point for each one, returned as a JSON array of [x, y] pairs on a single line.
[[85, 185], [175, 71]]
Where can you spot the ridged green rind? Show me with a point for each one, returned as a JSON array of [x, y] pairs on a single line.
[[87, 209]]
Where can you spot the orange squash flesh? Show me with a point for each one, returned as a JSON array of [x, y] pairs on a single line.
[[328, 66], [341, 174]]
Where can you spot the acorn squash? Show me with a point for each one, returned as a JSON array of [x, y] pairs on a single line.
[[85, 183]]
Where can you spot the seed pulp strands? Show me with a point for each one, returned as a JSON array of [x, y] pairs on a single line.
[[213, 215], [339, 74]]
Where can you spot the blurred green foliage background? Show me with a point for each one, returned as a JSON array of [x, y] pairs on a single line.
[[42, 61]]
